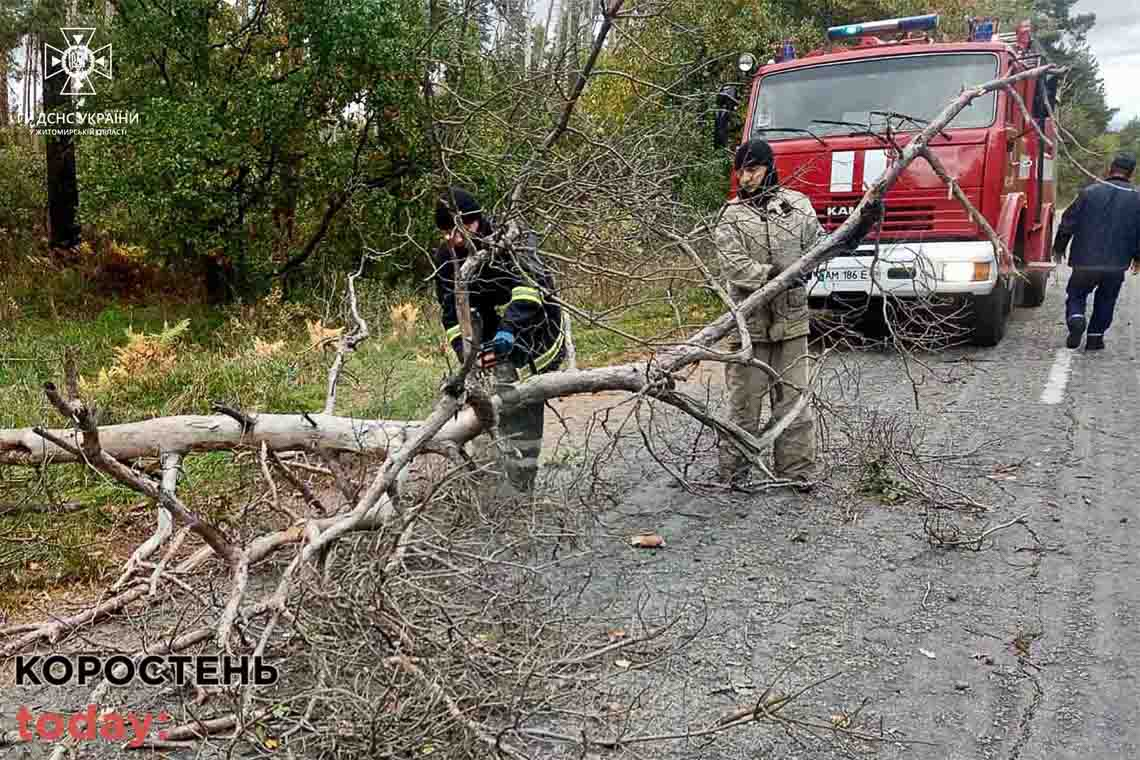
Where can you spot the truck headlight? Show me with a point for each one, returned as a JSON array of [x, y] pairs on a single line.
[[966, 271]]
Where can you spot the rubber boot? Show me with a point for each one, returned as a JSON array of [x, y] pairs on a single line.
[[733, 469], [520, 431]]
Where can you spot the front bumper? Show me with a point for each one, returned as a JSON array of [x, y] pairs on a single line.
[[909, 270]]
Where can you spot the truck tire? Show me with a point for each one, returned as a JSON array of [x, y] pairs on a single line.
[[872, 323], [1033, 289], [990, 315]]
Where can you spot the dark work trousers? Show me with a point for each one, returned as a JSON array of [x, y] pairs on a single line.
[[1106, 285], [521, 431]]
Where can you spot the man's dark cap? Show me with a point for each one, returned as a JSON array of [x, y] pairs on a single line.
[[456, 201], [1124, 161], [755, 152]]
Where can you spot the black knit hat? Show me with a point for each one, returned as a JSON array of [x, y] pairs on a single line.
[[456, 200], [1124, 161], [755, 152]]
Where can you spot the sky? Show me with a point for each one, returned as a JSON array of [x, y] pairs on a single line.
[[1114, 43]]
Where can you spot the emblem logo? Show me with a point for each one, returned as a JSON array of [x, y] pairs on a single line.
[[77, 61]]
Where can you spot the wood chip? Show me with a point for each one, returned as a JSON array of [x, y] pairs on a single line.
[[647, 541]]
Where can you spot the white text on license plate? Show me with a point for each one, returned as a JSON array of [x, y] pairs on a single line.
[[842, 275]]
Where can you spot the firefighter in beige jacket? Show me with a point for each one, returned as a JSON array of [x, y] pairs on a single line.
[[761, 232]]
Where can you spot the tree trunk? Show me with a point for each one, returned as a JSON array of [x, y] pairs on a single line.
[[289, 187], [29, 74], [217, 273], [572, 36], [285, 208], [219, 280], [4, 105], [520, 25], [196, 434], [62, 182]]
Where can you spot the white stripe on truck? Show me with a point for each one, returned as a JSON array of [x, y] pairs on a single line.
[[842, 171], [874, 166]]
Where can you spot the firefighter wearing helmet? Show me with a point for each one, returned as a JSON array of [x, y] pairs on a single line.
[[760, 232]]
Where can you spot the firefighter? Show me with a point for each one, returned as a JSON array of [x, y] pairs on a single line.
[[1103, 224], [525, 338], [759, 233]]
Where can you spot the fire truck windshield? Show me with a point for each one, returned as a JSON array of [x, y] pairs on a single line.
[[850, 93]]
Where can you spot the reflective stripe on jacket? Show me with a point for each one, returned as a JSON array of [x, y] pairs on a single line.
[[520, 285]]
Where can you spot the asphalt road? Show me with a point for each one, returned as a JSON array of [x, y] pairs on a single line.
[[1022, 649]]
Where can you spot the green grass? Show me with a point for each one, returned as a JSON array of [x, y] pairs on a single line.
[[214, 360], [47, 316], [655, 321]]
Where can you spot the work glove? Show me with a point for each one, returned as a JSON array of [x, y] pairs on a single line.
[[498, 348], [503, 343]]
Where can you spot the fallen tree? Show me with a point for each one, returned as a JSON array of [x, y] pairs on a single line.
[[462, 411]]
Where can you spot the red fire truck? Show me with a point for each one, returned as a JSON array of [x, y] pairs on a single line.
[[834, 117]]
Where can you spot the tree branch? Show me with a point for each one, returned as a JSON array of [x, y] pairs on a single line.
[[98, 459], [348, 342]]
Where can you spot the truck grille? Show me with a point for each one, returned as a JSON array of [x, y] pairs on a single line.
[[907, 213]]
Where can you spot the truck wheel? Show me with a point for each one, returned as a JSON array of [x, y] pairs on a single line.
[[1033, 289], [989, 316], [873, 324]]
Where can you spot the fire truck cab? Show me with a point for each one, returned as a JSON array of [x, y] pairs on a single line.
[[836, 119]]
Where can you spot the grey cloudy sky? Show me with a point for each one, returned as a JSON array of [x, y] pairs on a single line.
[[1115, 42]]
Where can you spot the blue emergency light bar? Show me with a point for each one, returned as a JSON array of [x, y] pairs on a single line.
[[983, 29], [908, 24]]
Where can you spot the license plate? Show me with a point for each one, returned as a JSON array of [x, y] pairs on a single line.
[[842, 275]]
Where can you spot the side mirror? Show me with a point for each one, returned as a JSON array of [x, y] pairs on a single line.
[[727, 101], [1045, 96], [1052, 85]]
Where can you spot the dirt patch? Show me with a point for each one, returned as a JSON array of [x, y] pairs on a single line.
[[575, 421]]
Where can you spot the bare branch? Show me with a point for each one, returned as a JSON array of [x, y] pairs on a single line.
[[348, 343], [1000, 249], [98, 459], [297, 483], [610, 11], [171, 467]]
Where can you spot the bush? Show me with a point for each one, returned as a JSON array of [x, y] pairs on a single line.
[[23, 190]]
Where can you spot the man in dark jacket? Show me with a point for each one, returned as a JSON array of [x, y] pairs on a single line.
[[1104, 226], [527, 336]]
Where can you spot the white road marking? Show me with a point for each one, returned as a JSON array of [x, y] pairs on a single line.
[[1054, 392]]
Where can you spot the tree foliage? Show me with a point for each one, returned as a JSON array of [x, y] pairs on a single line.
[[273, 137], [253, 125]]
